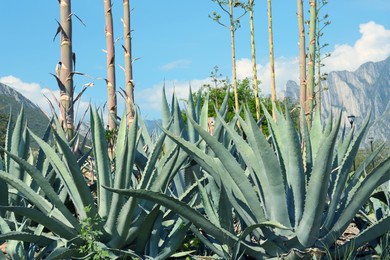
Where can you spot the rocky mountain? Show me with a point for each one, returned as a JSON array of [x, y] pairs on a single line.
[[12, 100], [356, 93]]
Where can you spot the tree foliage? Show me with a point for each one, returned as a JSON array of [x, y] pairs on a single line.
[[245, 96]]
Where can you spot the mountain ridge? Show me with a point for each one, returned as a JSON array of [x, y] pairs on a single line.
[[355, 93], [11, 101]]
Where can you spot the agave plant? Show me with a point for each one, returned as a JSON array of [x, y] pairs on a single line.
[[115, 221], [54, 193], [307, 192]]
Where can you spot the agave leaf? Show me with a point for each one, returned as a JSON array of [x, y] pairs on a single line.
[[342, 175], [143, 237], [174, 240], [378, 176], [17, 145], [310, 224], [190, 196], [167, 118], [204, 113], [125, 226], [166, 114], [135, 139], [316, 133], [178, 124], [213, 247], [28, 237], [225, 210], [41, 155], [209, 208], [46, 187], [189, 213], [234, 170], [250, 151], [70, 174], [4, 228], [102, 163], [153, 158], [40, 202], [215, 168], [122, 158], [161, 177], [50, 223], [268, 171], [192, 134], [293, 163], [223, 111], [287, 145], [344, 145]]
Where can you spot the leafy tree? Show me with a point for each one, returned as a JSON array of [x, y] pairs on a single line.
[[246, 96]]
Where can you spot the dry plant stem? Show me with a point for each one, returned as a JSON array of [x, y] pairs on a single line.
[[234, 71], [311, 59], [271, 57], [66, 76], [128, 62], [302, 54], [254, 69], [319, 79], [111, 88]]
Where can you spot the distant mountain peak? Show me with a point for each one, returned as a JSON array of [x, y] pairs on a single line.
[[8, 91], [11, 99]]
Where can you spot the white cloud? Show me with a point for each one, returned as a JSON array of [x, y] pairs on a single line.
[[373, 45], [285, 69], [177, 64]]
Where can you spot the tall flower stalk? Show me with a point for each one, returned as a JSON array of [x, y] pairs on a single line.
[[271, 56], [302, 54], [110, 80], [310, 96], [128, 62], [254, 64], [66, 70], [233, 49]]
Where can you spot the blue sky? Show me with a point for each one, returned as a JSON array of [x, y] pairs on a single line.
[[176, 43]]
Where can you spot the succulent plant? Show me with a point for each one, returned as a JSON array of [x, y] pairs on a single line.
[[41, 191], [57, 197], [307, 194]]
